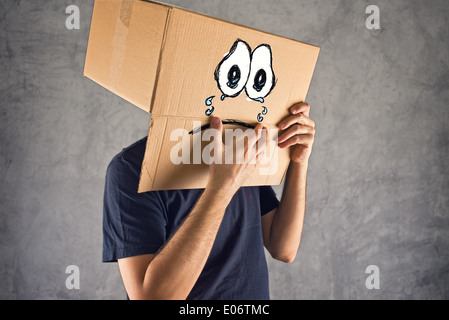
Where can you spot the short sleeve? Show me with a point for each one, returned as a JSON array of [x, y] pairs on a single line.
[[133, 224], [268, 200]]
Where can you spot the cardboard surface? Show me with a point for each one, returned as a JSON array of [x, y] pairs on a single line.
[[181, 66], [124, 47]]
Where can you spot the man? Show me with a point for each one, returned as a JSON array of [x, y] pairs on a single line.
[[206, 244]]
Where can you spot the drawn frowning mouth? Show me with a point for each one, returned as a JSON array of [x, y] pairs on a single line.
[[228, 121]]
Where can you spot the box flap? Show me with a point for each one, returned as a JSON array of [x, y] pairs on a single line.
[[124, 47]]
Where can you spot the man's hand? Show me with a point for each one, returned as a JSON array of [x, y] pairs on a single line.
[[282, 228], [232, 174], [299, 132]]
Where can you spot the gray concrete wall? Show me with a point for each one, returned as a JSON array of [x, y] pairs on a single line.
[[378, 190]]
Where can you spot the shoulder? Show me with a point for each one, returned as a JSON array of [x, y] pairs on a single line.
[[127, 164]]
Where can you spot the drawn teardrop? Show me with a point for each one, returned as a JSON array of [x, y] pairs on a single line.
[[209, 101], [259, 117], [209, 111], [265, 111]]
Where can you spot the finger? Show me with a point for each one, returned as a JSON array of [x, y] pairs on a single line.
[[260, 158], [216, 123], [217, 127], [258, 129], [261, 146], [262, 142], [302, 107], [300, 118], [261, 149], [257, 157], [302, 139], [254, 136], [257, 144], [295, 130]]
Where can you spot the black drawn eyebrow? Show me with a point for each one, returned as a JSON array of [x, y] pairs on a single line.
[[228, 121]]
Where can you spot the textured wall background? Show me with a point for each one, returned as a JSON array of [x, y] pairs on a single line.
[[379, 179]]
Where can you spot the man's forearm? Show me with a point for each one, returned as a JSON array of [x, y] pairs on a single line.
[[175, 269], [287, 225]]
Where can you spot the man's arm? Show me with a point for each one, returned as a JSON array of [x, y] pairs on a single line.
[[172, 273], [282, 228]]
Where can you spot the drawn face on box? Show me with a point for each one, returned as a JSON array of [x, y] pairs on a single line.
[[244, 70]]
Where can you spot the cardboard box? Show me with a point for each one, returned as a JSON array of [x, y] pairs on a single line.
[[180, 66]]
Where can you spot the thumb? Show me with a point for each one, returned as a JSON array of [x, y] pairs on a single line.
[[217, 127], [217, 124]]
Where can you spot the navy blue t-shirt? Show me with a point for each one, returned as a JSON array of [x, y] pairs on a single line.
[[138, 224]]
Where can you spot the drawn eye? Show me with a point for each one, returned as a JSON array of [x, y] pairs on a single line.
[[261, 78], [232, 72]]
